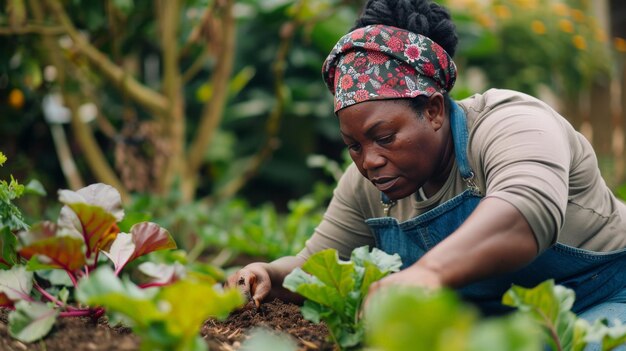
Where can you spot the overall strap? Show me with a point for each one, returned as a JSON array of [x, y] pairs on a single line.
[[460, 136]]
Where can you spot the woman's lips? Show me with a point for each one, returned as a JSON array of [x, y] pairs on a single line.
[[384, 184]]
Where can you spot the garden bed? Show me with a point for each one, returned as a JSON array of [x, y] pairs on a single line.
[[84, 334]]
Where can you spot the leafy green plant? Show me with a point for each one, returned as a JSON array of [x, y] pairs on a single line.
[[167, 318], [335, 289], [550, 307], [410, 318], [43, 263]]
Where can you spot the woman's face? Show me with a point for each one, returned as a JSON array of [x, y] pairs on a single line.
[[397, 150]]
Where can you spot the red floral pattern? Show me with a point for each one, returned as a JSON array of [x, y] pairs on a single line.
[[384, 62]]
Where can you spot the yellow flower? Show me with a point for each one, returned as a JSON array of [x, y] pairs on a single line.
[[560, 9], [600, 35], [527, 4], [620, 44], [566, 25], [502, 11], [485, 20], [579, 42], [578, 15], [538, 27], [16, 99]]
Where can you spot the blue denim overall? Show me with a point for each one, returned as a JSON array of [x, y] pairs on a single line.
[[598, 278]]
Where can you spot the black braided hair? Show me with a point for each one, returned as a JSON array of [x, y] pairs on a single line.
[[418, 16]]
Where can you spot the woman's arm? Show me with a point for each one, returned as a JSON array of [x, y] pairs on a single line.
[[495, 239]]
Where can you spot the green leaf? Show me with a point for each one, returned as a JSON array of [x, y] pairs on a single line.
[[514, 332], [63, 252], [104, 288], [201, 301], [609, 337], [8, 245], [409, 318], [549, 305], [3, 158], [35, 187], [263, 339], [16, 283], [314, 289], [31, 321], [385, 262], [327, 267]]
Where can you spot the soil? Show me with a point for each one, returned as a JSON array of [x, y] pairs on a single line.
[[84, 334]]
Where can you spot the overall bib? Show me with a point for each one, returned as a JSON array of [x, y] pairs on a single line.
[[598, 278]]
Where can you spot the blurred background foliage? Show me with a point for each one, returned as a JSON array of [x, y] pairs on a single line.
[[210, 116]]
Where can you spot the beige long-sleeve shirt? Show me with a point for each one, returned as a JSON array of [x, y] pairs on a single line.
[[522, 152]]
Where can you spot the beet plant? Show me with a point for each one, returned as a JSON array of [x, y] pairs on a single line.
[[42, 264]]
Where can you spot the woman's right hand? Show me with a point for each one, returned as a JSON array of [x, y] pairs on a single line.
[[253, 280], [260, 281]]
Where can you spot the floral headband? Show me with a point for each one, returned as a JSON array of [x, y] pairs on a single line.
[[383, 62]]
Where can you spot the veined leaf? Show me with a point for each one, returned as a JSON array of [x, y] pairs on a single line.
[[144, 238], [16, 283], [63, 252], [162, 273], [314, 289], [104, 288], [96, 226], [385, 262], [38, 231], [191, 303], [8, 252], [101, 195], [327, 267], [550, 306], [91, 213], [31, 321]]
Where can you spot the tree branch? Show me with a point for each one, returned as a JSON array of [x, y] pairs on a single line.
[[32, 28], [144, 96], [168, 14], [212, 112], [94, 156]]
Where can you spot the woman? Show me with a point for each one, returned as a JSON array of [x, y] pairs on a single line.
[[475, 194]]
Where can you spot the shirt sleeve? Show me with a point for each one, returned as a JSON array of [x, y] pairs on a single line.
[[343, 226], [525, 157]]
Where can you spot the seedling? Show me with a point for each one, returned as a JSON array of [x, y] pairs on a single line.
[[335, 289]]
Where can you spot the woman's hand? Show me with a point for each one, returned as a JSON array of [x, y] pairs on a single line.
[[253, 280], [260, 281], [413, 276]]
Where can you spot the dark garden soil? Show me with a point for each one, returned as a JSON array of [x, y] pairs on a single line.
[[84, 334]]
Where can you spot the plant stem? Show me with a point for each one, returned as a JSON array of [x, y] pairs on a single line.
[[76, 313], [72, 278], [48, 296]]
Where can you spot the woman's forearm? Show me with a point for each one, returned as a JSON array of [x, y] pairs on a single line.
[[278, 270], [495, 239]]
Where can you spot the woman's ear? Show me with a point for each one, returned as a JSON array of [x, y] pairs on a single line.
[[435, 111]]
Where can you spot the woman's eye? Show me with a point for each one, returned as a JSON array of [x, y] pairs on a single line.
[[386, 139], [354, 147]]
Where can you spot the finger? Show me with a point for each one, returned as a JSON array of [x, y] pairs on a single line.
[[260, 289]]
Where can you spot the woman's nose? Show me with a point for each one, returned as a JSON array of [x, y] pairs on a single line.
[[372, 160]]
